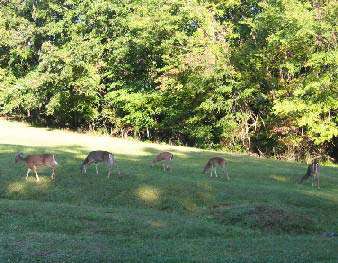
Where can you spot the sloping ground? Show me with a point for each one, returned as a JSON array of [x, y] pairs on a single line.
[[261, 215]]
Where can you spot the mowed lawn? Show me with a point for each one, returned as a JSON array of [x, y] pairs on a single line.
[[260, 215]]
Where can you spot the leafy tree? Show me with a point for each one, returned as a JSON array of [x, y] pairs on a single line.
[[248, 75]]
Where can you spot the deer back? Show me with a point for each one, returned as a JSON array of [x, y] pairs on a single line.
[[98, 156], [213, 162], [40, 160], [164, 156]]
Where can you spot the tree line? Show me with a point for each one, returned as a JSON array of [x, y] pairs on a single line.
[[242, 75]]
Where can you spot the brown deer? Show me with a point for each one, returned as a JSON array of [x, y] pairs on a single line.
[[165, 158], [312, 171], [37, 160], [99, 157], [212, 165]]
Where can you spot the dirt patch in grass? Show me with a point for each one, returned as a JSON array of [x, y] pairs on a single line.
[[221, 206], [280, 220], [266, 218]]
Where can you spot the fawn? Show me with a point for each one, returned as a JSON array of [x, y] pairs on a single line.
[[212, 166], [312, 171], [165, 158], [37, 160], [99, 157]]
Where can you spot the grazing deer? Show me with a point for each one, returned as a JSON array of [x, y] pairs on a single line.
[[165, 158], [99, 157], [212, 166], [312, 171], [37, 160]]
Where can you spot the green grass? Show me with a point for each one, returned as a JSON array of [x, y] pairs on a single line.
[[260, 215]]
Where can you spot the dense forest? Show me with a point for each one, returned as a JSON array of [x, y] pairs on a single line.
[[250, 75]]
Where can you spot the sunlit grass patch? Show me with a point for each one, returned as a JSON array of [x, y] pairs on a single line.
[[151, 215], [148, 193], [16, 187], [279, 178]]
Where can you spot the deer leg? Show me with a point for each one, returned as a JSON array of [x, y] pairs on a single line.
[[53, 173], [216, 171], [36, 174], [226, 172], [84, 169], [169, 166], [111, 163], [109, 171], [117, 168], [318, 181], [28, 171], [97, 172]]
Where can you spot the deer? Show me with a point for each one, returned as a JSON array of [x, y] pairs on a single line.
[[37, 160], [99, 157], [212, 165], [312, 171], [165, 158]]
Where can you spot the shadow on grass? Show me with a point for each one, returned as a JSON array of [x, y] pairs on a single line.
[[141, 185], [185, 190]]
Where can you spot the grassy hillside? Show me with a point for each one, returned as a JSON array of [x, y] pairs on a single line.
[[261, 215]]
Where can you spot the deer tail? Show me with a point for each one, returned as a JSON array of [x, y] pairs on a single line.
[[54, 160]]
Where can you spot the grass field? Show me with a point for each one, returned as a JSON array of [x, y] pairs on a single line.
[[260, 215]]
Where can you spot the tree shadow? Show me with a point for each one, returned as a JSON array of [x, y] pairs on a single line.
[[185, 190], [140, 184]]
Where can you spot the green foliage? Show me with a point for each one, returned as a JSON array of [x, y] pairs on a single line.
[[249, 75]]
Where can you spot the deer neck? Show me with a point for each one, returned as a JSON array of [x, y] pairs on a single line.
[[23, 158]]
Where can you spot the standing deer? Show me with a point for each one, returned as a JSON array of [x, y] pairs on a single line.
[[99, 157], [312, 171], [37, 160], [165, 158], [212, 166]]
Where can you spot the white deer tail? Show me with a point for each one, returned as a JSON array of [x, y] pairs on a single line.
[[54, 160]]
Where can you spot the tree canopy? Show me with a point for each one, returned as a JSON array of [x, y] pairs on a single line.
[[248, 75]]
